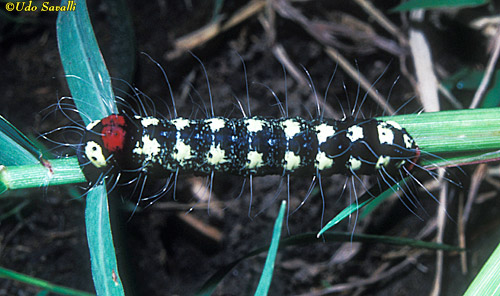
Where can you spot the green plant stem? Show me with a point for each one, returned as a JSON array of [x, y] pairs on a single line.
[[64, 171]]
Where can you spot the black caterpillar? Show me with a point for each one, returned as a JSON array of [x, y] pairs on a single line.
[[251, 146]]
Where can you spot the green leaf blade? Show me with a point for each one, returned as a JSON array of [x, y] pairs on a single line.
[[487, 282], [86, 72], [352, 208], [267, 272], [457, 131], [90, 86], [100, 239], [13, 153]]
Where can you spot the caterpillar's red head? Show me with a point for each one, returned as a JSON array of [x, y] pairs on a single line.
[[114, 132], [103, 144]]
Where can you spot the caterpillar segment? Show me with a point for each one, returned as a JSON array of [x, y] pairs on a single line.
[[252, 146]]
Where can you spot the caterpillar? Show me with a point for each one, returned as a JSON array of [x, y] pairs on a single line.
[[250, 146]]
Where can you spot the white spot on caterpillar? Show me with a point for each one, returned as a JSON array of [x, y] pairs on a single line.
[[291, 127], [408, 141], [182, 152], [254, 160], [323, 132], [382, 161], [147, 121], [254, 125], [355, 133], [93, 151], [216, 124], [138, 148], [323, 162], [354, 163], [150, 148], [92, 125], [385, 134], [292, 161], [394, 124], [400, 164], [216, 155], [180, 123]]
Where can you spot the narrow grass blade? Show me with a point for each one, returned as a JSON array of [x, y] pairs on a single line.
[[100, 240], [469, 78], [492, 96], [370, 206], [18, 150], [48, 286], [310, 238], [209, 286], [16, 154], [86, 73], [432, 4], [487, 282], [267, 272], [370, 199], [461, 160], [352, 208], [12, 153], [14, 211]]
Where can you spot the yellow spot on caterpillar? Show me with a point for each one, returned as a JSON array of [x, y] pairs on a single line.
[[150, 148], [382, 161], [292, 161], [323, 132], [254, 125], [291, 127], [385, 134], [355, 133], [394, 124], [182, 153], [354, 163], [92, 125], [216, 155], [181, 123], [149, 121], [93, 151], [323, 162], [216, 124], [408, 141], [254, 159]]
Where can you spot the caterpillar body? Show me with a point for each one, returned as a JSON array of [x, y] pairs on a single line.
[[251, 146]]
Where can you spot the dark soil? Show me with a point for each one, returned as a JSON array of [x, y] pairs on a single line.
[[161, 252]]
